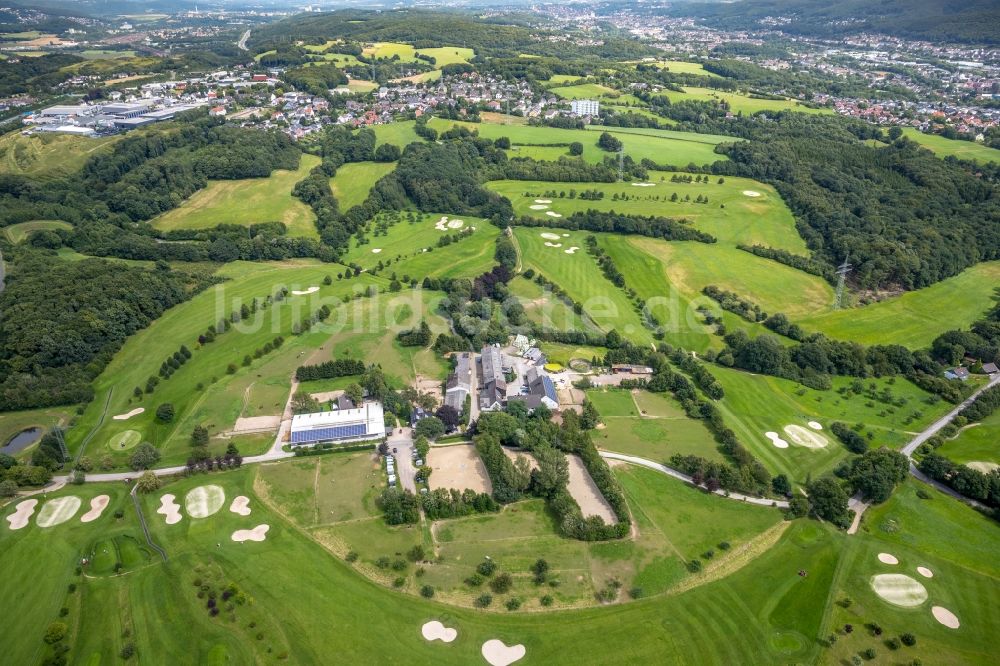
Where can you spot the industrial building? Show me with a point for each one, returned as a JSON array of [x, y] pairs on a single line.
[[340, 426]]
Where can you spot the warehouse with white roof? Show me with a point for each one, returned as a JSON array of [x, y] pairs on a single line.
[[339, 427]]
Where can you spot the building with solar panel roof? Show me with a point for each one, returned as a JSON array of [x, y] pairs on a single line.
[[340, 426]]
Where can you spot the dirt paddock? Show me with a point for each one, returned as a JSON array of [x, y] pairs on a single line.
[[585, 492], [458, 467]]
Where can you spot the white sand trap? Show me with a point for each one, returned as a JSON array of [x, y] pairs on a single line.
[[643, 184], [258, 533], [442, 224], [815, 425], [456, 224], [498, 654], [982, 466], [886, 558], [548, 244], [945, 617], [20, 518], [802, 437], [435, 631], [203, 501], [925, 572], [776, 440], [97, 507], [305, 292], [58, 510], [552, 213], [565, 235], [751, 193], [549, 236], [571, 250], [127, 415], [538, 207], [543, 200], [899, 590], [376, 250], [170, 509], [241, 505]]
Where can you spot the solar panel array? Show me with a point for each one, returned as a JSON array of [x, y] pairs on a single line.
[[327, 434]]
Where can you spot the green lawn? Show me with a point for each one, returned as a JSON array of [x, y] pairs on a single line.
[[403, 52], [682, 67], [16, 233], [963, 150], [915, 318], [448, 55], [399, 134], [976, 443], [247, 201], [585, 91], [738, 103], [543, 308], [354, 181]]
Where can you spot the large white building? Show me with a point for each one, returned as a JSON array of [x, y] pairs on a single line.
[[585, 107], [340, 426]]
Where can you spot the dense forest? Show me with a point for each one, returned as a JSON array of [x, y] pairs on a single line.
[[62, 321]]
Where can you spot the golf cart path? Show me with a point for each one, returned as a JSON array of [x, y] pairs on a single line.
[[670, 471]]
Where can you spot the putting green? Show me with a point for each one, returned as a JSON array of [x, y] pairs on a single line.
[[203, 501], [899, 590], [125, 440], [58, 510]]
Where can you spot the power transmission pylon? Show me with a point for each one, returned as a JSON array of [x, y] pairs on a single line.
[[842, 272], [621, 164]]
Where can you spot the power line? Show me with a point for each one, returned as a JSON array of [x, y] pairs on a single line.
[[842, 272]]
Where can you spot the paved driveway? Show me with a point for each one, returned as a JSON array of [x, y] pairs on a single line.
[[405, 471]]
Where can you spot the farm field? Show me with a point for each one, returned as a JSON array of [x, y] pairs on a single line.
[[248, 201], [49, 155], [979, 443], [203, 391], [448, 55], [682, 67], [757, 404], [354, 181], [399, 134], [739, 103], [943, 147], [585, 91], [16, 233], [915, 318]]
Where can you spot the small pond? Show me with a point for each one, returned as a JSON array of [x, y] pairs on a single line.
[[21, 441]]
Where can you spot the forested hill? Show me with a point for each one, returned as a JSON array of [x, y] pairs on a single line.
[[972, 21], [425, 29]]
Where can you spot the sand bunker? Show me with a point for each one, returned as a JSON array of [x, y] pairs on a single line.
[[776, 440], [444, 224], [305, 292], [982, 466], [552, 213], [258, 533], [886, 558], [170, 509], [203, 501], [802, 437], [241, 505], [538, 207], [925, 572], [97, 507], [751, 193], [548, 244], [571, 250], [498, 654], [456, 224], [435, 631], [127, 415], [899, 590], [58, 510], [565, 235], [549, 236], [643, 184], [376, 250], [945, 617], [20, 518], [543, 200], [815, 425]]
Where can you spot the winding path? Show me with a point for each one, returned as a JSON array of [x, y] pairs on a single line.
[[670, 471]]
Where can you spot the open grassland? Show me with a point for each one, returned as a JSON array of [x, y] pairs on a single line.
[[49, 155], [655, 436], [390, 50], [682, 67], [399, 134], [661, 146], [354, 181], [739, 103], [562, 79], [585, 91], [16, 233], [762, 602], [543, 308], [202, 390], [976, 443], [756, 404], [579, 275], [448, 55], [730, 216], [915, 318], [943, 147], [957, 544], [247, 201]]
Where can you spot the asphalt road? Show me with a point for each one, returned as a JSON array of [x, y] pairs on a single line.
[[933, 428], [242, 44]]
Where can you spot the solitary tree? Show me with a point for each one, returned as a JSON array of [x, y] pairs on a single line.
[[165, 413], [148, 482]]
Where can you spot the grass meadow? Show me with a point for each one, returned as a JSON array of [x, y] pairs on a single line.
[[355, 180], [943, 147], [247, 201], [976, 443], [16, 233], [738, 103], [47, 156]]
